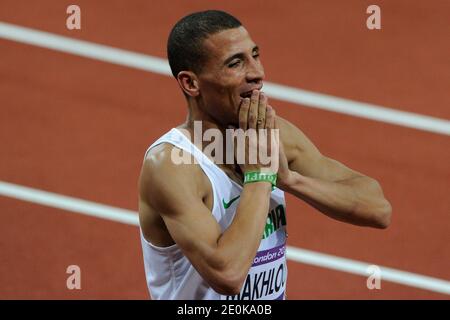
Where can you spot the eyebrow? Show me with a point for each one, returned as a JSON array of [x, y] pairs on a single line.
[[239, 55]]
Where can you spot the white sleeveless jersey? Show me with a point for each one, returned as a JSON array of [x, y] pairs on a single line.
[[169, 273]]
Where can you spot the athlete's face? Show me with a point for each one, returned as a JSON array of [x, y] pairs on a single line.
[[232, 70]]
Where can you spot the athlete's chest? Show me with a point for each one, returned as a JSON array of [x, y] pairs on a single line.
[[233, 173], [227, 192]]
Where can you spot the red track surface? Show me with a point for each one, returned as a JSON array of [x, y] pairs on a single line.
[[79, 127]]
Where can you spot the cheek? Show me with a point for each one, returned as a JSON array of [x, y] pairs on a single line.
[[233, 99], [223, 95], [226, 97], [227, 105]]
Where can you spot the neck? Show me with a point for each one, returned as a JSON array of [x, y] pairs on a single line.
[[196, 113], [197, 122]]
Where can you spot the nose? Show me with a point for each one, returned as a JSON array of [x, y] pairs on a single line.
[[255, 72]]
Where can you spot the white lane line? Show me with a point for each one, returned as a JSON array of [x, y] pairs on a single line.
[[84, 48], [71, 204], [360, 268], [295, 254], [358, 109], [284, 93]]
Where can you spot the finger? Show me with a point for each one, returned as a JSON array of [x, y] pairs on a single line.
[[276, 130], [276, 124], [261, 121], [253, 111], [270, 117], [243, 114]]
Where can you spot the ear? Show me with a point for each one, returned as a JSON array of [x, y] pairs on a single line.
[[188, 82]]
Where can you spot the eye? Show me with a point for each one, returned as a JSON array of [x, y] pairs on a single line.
[[234, 64], [256, 55]]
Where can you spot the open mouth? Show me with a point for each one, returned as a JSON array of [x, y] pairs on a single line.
[[246, 94]]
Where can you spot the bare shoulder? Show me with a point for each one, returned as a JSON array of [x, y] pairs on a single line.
[[162, 181], [295, 141], [165, 191]]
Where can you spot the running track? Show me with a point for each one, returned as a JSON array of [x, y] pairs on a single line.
[[78, 127]]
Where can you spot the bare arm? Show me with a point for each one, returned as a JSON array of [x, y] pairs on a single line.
[[328, 185], [222, 259]]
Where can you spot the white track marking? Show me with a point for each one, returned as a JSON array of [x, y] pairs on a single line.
[[71, 204], [280, 92], [295, 254], [360, 268]]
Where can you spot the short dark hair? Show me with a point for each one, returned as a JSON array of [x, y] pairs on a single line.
[[185, 43]]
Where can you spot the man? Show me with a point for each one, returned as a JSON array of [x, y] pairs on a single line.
[[206, 234]]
